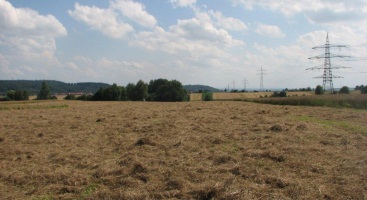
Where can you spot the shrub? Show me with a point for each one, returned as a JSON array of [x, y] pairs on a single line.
[[207, 96], [18, 95], [70, 97], [344, 90], [279, 94], [364, 90], [84, 97], [319, 90]]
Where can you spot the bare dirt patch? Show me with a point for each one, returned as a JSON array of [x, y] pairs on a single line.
[[191, 150]]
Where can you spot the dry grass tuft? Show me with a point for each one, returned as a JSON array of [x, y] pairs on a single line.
[[144, 141]]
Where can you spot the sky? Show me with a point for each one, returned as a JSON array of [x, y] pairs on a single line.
[[220, 43]]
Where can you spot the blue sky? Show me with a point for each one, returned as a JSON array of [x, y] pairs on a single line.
[[210, 42]]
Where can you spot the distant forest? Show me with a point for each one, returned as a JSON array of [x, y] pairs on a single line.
[[200, 88], [33, 86]]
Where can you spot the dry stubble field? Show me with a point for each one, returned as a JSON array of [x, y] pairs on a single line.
[[191, 150]]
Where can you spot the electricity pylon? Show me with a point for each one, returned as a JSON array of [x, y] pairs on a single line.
[[261, 73], [327, 67], [244, 84]]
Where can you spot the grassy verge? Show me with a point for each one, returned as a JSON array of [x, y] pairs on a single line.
[[31, 107], [348, 126], [348, 101]]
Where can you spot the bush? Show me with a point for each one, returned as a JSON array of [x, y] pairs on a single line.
[[319, 90], [18, 95], [5, 99], [364, 90], [84, 97], [70, 97], [279, 94], [344, 90], [207, 96]]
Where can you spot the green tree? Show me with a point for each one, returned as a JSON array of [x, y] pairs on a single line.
[[344, 90], [164, 90], [112, 93], [207, 96], [99, 95], [172, 91], [319, 90], [11, 94], [123, 96], [44, 92], [137, 92], [130, 91], [364, 90], [141, 90], [70, 97], [18, 95]]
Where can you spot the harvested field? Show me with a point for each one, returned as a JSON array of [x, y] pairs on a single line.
[[244, 95], [190, 150]]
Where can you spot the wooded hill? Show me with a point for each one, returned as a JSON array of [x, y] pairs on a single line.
[[34, 86], [200, 88]]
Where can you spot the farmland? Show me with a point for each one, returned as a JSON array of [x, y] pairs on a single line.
[[244, 95], [188, 150]]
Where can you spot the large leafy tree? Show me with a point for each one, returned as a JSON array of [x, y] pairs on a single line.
[[137, 92], [44, 92], [164, 90], [141, 90], [112, 93]]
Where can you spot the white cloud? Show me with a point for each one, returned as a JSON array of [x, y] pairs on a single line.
[[327, 11], [228, 23], [183, 3], [27, 39], [104, 20], [269, 30], [112, 21], [23, 21], [134, 11]]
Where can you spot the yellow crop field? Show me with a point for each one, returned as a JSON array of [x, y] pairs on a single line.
[[245, 95]]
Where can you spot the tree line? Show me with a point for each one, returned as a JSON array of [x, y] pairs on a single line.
[[157, 90], [33, 86]]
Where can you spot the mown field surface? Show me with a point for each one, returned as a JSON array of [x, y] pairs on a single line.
[[244, 95], [190, 150]]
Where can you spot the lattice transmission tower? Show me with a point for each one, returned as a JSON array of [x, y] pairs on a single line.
[[327, 67], [261, 72]]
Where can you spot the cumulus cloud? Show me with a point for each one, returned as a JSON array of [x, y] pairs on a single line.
[[327, 11], [104, 20], [183, 3], [23, 21], [112, 21], [269, 30], [27, 37], [227, 23], [134, 11]]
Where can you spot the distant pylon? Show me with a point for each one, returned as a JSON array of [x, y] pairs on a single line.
[[327, 67], [244, 84], [261, 72]]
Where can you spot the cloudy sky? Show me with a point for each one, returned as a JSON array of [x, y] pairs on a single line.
[[210, 42]]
